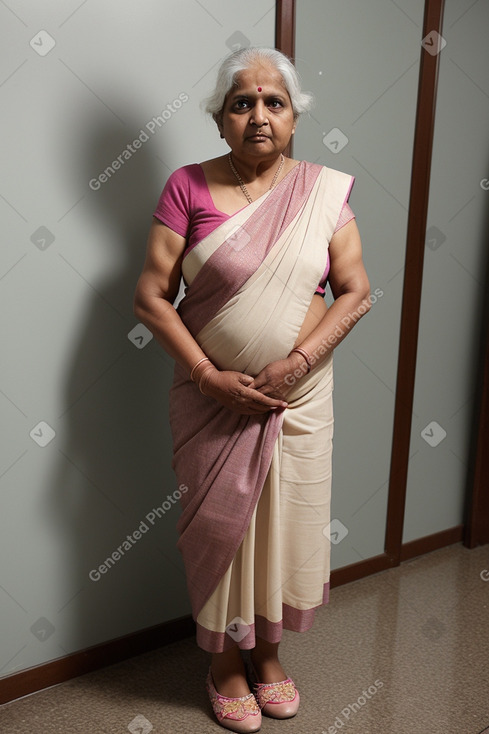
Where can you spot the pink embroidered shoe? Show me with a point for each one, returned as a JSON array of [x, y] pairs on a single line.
[[237, 714], [277, 700]]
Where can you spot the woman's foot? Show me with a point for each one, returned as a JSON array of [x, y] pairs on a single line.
[[233, 703], [268, 670], [264, 658], [275, 693], [241, 714], [228, 673]]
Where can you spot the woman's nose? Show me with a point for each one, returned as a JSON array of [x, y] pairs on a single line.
[[259, 114]]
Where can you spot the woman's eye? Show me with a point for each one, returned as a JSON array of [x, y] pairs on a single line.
[[276, 103], [241, 104]]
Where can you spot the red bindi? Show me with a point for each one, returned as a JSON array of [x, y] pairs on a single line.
[[259, 89]]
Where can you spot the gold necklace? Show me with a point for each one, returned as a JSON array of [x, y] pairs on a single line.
[[241, 182]]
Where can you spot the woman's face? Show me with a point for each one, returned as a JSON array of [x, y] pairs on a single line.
[[257, 118]]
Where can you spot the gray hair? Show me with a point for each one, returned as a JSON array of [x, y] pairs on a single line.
[[241, 60]]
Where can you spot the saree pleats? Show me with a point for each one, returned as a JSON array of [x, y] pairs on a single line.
[[280, 573]]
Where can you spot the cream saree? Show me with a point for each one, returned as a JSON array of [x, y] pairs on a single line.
[[251, 529]]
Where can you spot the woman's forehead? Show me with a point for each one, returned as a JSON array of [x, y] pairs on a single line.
[[261, 76], [264, 73]]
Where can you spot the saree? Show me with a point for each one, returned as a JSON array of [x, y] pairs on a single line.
[[251, 531]]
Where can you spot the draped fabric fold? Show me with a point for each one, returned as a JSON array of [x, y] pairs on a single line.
[[249, 286]]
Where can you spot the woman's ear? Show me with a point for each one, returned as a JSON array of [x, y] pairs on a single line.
[[218, 121]]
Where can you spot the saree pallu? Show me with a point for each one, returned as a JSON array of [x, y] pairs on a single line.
[[253, 517]]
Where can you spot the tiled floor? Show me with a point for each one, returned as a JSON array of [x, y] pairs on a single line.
[[403, 652]]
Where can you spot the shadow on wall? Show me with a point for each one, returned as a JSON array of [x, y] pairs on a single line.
[[114, 438]]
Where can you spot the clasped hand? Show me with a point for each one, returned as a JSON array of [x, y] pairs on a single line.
[[248, 395]]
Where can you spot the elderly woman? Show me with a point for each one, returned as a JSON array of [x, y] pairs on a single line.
[[255, 236]]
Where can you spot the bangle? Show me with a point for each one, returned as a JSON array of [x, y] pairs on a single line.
[[204, 359], [200, 383], [305, 355]]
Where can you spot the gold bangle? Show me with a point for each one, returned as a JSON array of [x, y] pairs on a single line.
[[303, 352], [204, 359]]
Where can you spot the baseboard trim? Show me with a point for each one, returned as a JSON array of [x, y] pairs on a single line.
[[37, 678], [361, 569], [43, 676], [433, 542], [412, 549]]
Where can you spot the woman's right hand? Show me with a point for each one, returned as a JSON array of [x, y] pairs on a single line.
[[231, 390]]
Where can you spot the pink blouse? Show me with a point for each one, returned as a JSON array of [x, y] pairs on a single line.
[[186, 207]]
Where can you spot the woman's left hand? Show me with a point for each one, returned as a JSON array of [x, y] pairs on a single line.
[[277, 378]]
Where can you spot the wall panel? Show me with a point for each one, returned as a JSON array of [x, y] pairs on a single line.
[[86, 451]]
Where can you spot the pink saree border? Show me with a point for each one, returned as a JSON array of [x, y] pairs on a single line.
[[294, 620]]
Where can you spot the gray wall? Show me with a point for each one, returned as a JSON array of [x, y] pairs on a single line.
[[454, 277], [70, 258], [365, 81]]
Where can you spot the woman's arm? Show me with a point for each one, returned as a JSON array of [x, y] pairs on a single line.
[[156, 290], [351, 290]]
